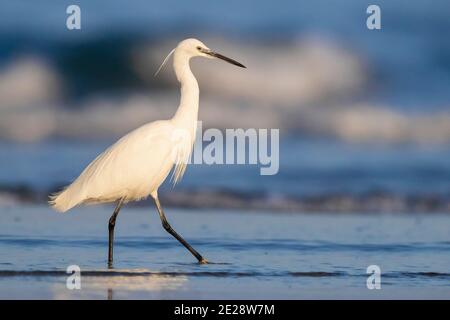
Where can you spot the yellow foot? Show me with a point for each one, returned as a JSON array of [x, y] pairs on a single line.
[[203, 261]]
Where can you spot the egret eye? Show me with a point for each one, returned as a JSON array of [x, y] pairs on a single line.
[[199, 48]]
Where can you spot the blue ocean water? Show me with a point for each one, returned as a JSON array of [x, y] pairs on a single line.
[[306, 167], [253, 255], [408, 60]]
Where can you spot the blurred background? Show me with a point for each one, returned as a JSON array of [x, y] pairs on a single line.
[[364, 115]]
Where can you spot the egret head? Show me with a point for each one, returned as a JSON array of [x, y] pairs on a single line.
[[191, 47], [195, 48]]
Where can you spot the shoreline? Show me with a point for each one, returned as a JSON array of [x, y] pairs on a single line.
[[369, 202]]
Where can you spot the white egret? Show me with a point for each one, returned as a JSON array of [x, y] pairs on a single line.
[[136, 165]]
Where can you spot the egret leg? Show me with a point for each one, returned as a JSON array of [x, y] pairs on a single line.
[[111, 225], [170, 230]]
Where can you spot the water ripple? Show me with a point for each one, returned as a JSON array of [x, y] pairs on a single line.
[[219, 274], [240, 245]]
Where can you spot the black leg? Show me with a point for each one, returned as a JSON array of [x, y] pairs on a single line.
[[111, 225], [170, 230]]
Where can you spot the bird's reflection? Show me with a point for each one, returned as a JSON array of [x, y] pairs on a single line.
[[122, 284], [110, 294]]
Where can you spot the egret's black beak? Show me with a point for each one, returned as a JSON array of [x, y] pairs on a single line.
[[222, 57]]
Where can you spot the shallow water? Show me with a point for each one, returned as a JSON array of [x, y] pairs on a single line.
[[254, 255]]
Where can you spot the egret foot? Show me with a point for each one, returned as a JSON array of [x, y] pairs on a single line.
[[203, 261]]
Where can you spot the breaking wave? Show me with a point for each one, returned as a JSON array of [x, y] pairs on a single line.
[[314, 90]]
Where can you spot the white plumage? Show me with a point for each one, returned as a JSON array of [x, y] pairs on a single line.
[[136, 165], [133, 168]]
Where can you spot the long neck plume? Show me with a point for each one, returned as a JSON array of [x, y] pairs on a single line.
[[186, 115]]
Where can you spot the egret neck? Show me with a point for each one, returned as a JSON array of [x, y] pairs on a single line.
[[187, 113]]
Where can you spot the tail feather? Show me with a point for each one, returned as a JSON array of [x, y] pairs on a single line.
[[62, 201]]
